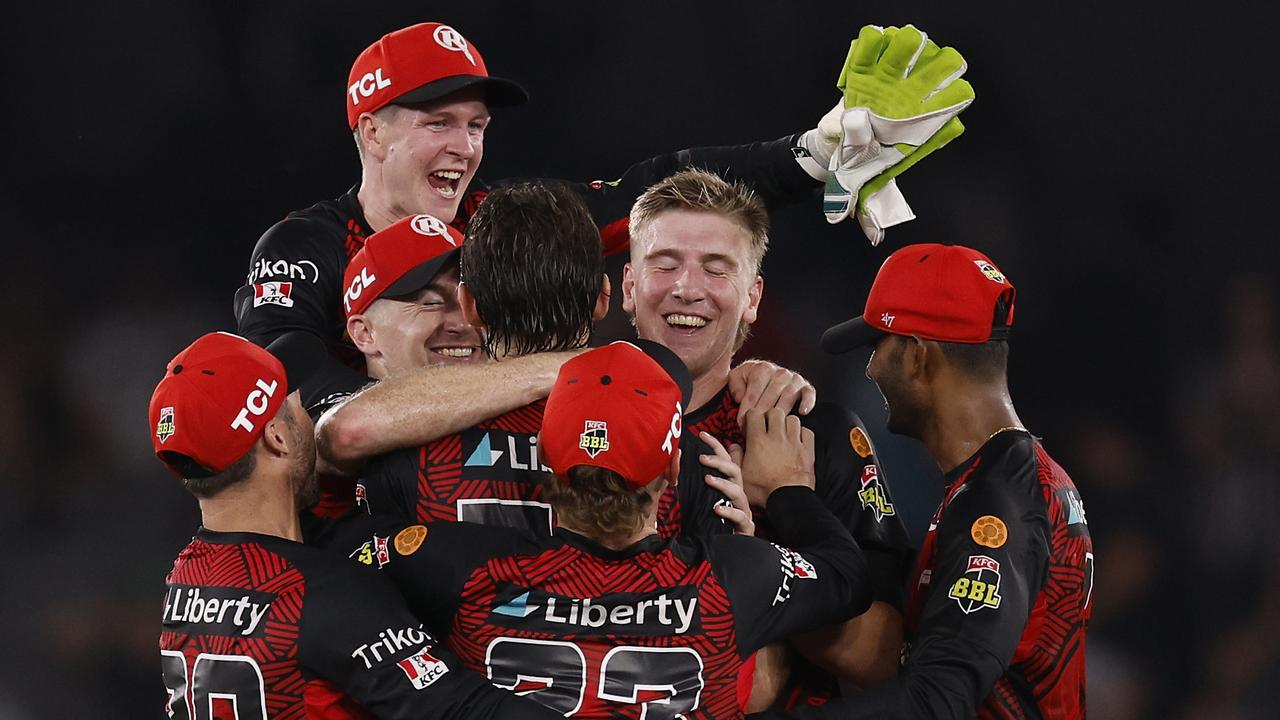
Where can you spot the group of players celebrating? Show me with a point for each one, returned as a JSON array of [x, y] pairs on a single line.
[[424, 495]]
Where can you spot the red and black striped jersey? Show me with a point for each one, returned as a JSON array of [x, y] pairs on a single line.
[[257, 626], [659, 629], [490, 474], [1000, 601], [850, 484]]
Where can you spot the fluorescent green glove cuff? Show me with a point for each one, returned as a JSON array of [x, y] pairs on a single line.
[[952, 130]]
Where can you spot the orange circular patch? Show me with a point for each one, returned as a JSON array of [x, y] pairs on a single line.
[[410, 539], [861, 444], [989, 531]]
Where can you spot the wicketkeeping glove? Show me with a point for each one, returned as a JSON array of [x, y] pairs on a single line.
[[901, 96]]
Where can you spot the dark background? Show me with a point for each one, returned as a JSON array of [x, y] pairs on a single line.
[[1118, 167]]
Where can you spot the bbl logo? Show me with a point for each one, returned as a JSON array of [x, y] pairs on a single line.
[[991, 271], [979, 587], [595, 437], [872, 494], [164, 428]]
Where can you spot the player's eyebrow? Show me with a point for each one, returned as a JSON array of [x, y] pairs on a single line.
[[704, 258]]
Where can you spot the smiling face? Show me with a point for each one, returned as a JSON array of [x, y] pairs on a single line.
[[426, 328], [429, 153], [691, 284]]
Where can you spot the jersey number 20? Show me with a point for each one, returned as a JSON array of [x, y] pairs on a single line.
[[233, 679]]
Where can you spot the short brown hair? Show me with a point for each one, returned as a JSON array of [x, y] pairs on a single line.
[[694, 189], [597, 501]]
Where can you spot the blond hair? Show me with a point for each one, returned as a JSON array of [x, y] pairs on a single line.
[[699, 190]]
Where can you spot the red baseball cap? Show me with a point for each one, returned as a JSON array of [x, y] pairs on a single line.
[[948, 293], [213, 403], [620, 407], [400, 259], [420, 63]]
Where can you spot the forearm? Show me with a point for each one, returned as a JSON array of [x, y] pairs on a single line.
[[864, 650], [429, 403]]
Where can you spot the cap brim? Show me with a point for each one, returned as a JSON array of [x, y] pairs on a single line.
[[850, 335], [498, 92], [421, 275]]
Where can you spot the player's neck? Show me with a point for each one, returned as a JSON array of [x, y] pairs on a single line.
[[255, 507], [376, 213], [966, 421], [707, 385]]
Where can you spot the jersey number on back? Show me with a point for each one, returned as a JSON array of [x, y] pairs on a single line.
[[554, 673], [231, 683]]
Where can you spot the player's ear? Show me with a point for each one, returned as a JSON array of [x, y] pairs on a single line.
[[467, 302], [371, 132], [754, 293], [360, 330], [672, 472], [275, 436], [602, 300], [918, 359], [628, 289]]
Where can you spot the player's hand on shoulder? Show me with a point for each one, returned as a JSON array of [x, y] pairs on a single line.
[[779, 453], [762, 385], [725, 476]]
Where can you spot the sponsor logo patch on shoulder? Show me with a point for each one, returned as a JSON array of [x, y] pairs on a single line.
[[410, 539], [860, 442], [793, 565], [873, 494], [979, 586], [595, 437], [373, 551], [165, 426], [989, 531], [273, 293], [422, 668]]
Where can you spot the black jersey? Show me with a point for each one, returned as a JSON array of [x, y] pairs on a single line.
[[294, 286], [999, 606], [848, 480], [490, 474], [257, 626], [660, 629], [850, 484]]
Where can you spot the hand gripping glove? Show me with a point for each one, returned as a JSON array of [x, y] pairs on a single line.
[[901, 97]]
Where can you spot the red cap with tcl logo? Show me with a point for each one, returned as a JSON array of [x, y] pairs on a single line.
[[619, 407], [216, 397], [400, 259], [420, 63], [948, 293]]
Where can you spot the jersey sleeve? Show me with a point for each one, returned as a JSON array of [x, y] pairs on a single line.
[[293, 290], [815, 575], [390, 485], [769, 167], [993, 549], [358, 634], [850, 481]]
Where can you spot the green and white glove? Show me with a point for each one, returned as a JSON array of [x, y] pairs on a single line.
[[902, 94]]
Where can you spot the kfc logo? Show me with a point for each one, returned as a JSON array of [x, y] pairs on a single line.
[[673, 434], [423, 668], [273, 293]]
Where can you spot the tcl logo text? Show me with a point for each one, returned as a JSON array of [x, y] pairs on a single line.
[[367, 85], [255, 403]]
